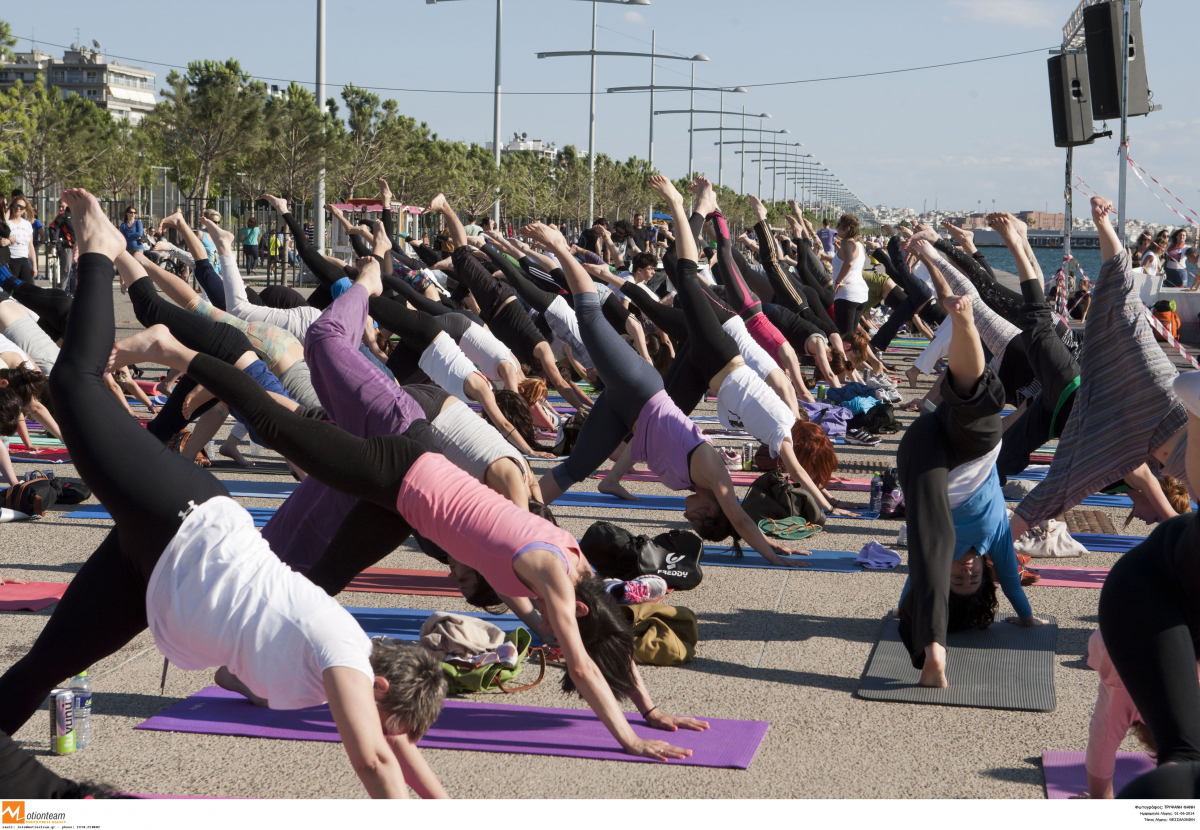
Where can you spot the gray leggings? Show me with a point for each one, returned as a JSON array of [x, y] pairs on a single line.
[[629, 381], [297, 380]]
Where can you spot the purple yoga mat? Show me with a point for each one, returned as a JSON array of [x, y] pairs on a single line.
[[467, 725], [1066, 776]]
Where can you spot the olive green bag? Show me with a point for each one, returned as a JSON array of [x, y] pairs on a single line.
[[494, 676]]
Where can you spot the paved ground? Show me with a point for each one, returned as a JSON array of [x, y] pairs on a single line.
[[786, 647]]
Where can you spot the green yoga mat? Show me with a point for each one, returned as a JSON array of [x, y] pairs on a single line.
[[1002, 667]]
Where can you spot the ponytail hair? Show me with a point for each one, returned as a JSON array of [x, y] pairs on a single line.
[[533, 390], [1177, 494], [515, 408], [27, 384]]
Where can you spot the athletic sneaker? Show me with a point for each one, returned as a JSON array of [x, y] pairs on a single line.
[[878, 381], [733, 458], [888, 395], [861, 437], [648, 588]]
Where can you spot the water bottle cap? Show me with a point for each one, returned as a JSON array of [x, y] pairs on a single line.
[[82, 674]]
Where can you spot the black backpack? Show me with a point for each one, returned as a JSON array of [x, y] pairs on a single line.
[[615, 552], [878, 420], [38, 492]]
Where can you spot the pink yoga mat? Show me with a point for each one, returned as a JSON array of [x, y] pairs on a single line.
[[30, 596], [1069, 577], [467, 725], [403, 581], [1066, 776]]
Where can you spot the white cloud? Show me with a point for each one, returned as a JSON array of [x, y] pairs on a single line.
[[634, 17], [1028, 14]]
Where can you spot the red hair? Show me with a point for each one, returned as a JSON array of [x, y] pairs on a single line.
[[814, 451]]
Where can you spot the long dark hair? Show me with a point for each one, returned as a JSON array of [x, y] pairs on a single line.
[[10, 411], [27, 383], [977, 610], [607, 637], [515, 408]]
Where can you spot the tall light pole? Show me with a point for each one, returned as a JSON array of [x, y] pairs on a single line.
[[319, 195], [593, 53], [1123, 151]]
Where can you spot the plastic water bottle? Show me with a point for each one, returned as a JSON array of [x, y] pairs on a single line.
[[82, 690], [876, 493]]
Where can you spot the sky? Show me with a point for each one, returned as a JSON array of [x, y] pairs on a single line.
[[956, 137]]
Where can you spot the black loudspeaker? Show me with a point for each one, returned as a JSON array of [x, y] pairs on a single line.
[[1070, 100], [1105, 52]]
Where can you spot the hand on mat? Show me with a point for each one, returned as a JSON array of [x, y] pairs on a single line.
[[1026, 622], [670, 723], [841, 511], [11, 581], [540, 454], [789, 552], [658, 750]]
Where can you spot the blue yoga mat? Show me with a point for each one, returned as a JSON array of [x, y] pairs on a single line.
[[260, 489], [585, 499], [405, 623], [1101, 500], [1107, 542], [261, 515], [821, 560]]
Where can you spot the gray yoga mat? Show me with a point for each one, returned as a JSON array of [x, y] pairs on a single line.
[[1003, 667]]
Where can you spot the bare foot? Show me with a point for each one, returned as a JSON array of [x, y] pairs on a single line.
[[280, 205], [382, 245], [230, 450], [760, 209], [912, 373], [960, 309], [933, 674], [438, 204], [227, 680], [163, 387], [706, 197], [146, 345], [173, 220], [1101, 207], [94, 234], [222, 239], [385, 191], [664, 187], [368, 276], [615, 488]]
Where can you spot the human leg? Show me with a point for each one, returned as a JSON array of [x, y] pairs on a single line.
[[52, 305], [846, 315], [367, 534], [281, 296]]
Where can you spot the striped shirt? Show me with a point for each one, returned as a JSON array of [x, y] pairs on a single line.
[[1124, 409]]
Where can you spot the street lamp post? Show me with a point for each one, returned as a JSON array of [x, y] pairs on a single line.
[[722, 112], [593, 53], [319, 194]]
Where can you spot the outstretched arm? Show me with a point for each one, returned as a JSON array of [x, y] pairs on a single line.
[[352, 704]]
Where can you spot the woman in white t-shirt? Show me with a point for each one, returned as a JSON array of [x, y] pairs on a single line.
[[186, 561], [850, 291], [23, 263]]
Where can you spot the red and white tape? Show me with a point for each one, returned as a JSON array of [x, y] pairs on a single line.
[[1157, 325], [1138, 170]]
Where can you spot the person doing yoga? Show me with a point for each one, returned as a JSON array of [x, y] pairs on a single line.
[[957, 523], [440, 358], [1126, 414], [634, 401], [186, 560], [1150, 624], [494, 546], [499, 307]]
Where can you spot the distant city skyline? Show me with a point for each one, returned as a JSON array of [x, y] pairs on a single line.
[[955, 136]]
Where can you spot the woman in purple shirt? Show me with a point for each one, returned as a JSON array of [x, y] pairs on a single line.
[[634, 401]]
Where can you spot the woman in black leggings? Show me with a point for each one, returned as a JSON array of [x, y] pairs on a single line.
[[51, 305], [1150, 622], [157, 501]]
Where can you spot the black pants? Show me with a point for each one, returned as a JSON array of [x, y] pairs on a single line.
[[666, 318], [960, 430], [144, 486], [538, 298], [490, 292], [711, 346], [513, 328], [891, 326], [416, 328], [22, 268], [846, 316], [251, 252], [281, 296], [795, 328], [1004, 301], [52, 305], [1151, 626], [422, 303], [1056, 371], [210, 281], [23, 776], [813, 274], [326, 272], [198, 333]]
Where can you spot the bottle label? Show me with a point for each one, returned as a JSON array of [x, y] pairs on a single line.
[[83, 703]]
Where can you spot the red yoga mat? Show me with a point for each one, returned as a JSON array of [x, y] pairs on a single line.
[[1055, 577], [402, 581], [50, 455], [30, 596]]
